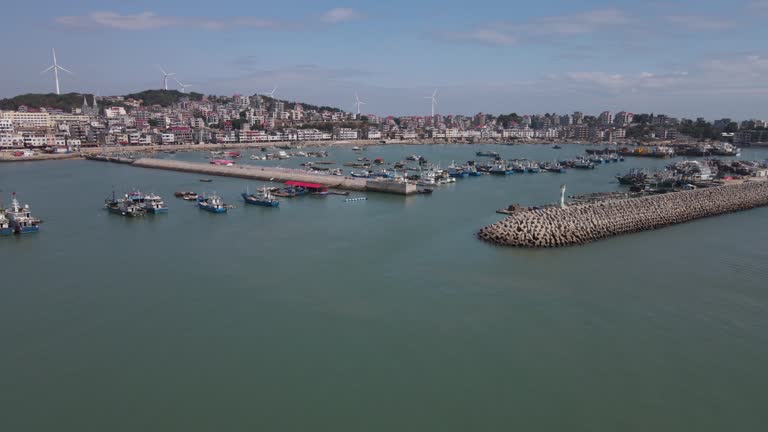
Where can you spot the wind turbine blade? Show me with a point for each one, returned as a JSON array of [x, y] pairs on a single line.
[[65, 70], [49, 68], [434, 93], [162, 70], [171, 74], [53, 50]]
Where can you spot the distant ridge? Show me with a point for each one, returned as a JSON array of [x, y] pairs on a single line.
[[164, 98]]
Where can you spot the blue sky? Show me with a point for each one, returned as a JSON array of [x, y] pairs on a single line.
[[686, 58]]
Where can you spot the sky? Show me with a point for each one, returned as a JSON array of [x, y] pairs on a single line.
[[683, 58]]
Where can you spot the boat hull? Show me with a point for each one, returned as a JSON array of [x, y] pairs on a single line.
[[158, 211], [495, 172], [213, 209], [120, 212], [27, 230], [6, 231], [262, 203]]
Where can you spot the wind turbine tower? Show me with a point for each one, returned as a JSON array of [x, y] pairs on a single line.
[[55, 66], [358, 103], [165, 77], [433, 99], [182, 86]]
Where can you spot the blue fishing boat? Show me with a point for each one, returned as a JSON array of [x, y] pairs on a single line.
[[456, 171], [501, 168], [262, 198], [20, 219], [212, 203]]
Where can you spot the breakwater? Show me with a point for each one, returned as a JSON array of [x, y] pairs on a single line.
[[269, 174], [579, 224]]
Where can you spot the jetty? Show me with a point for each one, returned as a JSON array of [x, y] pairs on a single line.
[[274, 174], [584, 223]]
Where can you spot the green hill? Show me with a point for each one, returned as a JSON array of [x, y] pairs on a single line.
[[163, 97], [51, 100]]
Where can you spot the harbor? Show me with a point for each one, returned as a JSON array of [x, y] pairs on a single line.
[[411, 266]]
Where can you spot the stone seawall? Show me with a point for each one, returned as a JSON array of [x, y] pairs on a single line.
[[579, 224]]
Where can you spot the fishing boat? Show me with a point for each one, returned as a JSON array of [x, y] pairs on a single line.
[[20, 219], [150, 203], [492, 154], [206, 180], [356, 148], [5, 224], [583, 164], [123, 206], [212, 203], [636, 176], [360, 174], [257, 157], [263, 197], [186, 196], [556, 147], [414, 158], [501, 168], [456, 171], [553, 167]]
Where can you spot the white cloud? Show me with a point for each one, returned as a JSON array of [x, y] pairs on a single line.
[[153, 21], [340, 15], [698, 22], [510, 33]]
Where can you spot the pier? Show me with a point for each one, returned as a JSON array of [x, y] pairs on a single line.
[[584, 223], [275, 174]]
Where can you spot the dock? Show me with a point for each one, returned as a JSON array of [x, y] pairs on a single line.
[[274, 174]]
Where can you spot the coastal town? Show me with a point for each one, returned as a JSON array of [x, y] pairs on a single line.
[[168, 118]]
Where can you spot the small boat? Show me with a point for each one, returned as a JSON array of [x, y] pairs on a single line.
[[123, 206], [501, 168], [5, 224], [360, 174], [583, 164], [20, 219], [556, 147], [414, 158], [206, 180], [492, 154], [256, 157], [553, 167], [212, 203], [151, 203], [262, 198], [356, 148], [186, 196]]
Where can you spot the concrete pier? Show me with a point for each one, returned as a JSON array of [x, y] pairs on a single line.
[[253, 172], [579, 224]]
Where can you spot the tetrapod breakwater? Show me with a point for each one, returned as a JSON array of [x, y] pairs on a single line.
[[584, 223]]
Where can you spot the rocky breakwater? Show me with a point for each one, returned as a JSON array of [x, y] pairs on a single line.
[[579, 224]]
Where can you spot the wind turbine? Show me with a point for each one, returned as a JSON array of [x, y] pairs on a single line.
[[358, 103], [165, 77], [272, 93], [433, 98], [183, 86], [56, 69]]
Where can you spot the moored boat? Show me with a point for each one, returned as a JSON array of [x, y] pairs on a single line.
[[263, 197], [123, 206], [211, 203], [5, 224], [20, 219]]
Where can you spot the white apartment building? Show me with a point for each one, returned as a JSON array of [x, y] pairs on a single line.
[[25, 119], [168, 138]]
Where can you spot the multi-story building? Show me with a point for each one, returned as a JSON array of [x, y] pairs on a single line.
[[605, 118], [623, 118]]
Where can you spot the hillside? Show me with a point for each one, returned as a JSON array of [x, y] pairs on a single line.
[[51, 100], [162, 97]]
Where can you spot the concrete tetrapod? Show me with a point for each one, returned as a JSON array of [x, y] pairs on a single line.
[[579, 224]]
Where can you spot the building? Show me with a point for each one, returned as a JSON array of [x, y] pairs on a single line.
[[27, 119], [605, 118], [344, 133], [623, 118]]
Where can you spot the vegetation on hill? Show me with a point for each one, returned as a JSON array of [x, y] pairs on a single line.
[[51, 100], [163, 97]]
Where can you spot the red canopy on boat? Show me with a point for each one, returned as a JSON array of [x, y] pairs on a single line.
[[305, 184]]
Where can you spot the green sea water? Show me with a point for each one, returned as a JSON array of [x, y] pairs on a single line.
[[377, 315]]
